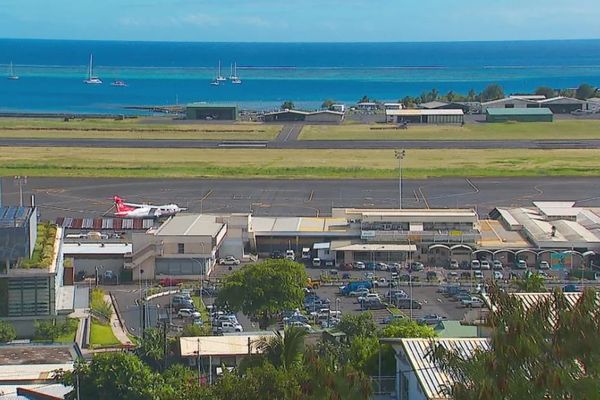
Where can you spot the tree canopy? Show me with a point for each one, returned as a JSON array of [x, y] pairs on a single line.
[[492, 92], [585, 91], [7, 332], [327, 104], [287, 105], [545, 91], [550, 350], [264, 290]]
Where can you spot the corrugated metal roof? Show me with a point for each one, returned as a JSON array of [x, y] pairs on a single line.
[[97, 248], [412, 112], [190, 225], [376, 247], [519, 111], [228, 345], [14, 216], [432, 379]]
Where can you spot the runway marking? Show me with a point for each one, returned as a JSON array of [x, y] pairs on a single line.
[[287, 137], [416, 196], [206, 195], [424, 198], [472, 185], [310, 197]]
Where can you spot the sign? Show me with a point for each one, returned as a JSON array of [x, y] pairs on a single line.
[[557, 261], [456, 233], [367, 234]]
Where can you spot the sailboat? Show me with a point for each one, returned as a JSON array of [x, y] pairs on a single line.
[[233, 77], [220, 77], [91, 79], [11, 73]]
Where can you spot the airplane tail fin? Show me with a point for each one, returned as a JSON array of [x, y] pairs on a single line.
[[120, 205]]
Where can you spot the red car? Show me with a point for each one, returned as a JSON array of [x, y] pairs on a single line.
[[169, 281]]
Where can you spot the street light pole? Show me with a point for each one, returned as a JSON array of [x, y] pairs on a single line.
[[399, 154]]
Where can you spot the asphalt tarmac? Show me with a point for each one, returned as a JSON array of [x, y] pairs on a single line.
[[81, 197], [286, 140]]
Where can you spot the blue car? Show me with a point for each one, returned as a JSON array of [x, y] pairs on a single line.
[[571, 289]]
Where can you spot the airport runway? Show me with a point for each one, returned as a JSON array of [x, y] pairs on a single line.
[[79, 197], [285, 142]]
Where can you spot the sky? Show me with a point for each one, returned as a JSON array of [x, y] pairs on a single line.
[[300, 20]]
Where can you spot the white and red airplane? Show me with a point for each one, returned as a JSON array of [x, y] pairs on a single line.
[[131, 210]]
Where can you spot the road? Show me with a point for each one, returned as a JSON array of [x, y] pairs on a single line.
[[287, 140], [89, 197]]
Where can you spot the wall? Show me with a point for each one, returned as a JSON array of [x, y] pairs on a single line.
[[192, 245]]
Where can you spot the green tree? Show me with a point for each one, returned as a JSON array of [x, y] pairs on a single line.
[[408, 102], [258, 383], [585, 91], [405, 328], [152, 348], [492, 92], [181, 383], [263, 290], [354, 325], [364, 99], [120, 376], [7, 332], [284, 351], [531, 283], [327, 104], [549, 350], [191, 330], [472, 96], [287, 105], [47, 329], [545, 91], [450, 96]]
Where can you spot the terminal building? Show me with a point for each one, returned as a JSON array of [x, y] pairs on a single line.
[[426, 116], [211, 112]]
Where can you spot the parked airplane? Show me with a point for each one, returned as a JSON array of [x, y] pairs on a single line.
[[131, 210]]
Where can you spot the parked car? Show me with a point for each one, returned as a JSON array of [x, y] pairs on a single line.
[[299, 324], [198, 322], [330, 263], [498, 275], [485, 264], [417, 266], [290, 255], [452, 275], [188, 313], [226, 318], [278, 255], [475, 264], [521, 264], [368, 297], [478, 275], [395, 267], [497, 264], [316, 262], [374, 305], [430, 319], [392, 318], [408, 303], [431, 276], [474, 302], [346, 275], [381, 282], [359, 265], [381, 266], [229, 260], [544, 265], [228, 327], [453, 264], [80, 276], [571, 289]]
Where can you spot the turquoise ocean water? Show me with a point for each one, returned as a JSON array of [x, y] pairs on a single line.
[[160, 73]]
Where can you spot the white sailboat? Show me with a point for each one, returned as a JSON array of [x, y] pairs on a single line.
[[234, 78], [91, 79], [11, 73], [220, 77]]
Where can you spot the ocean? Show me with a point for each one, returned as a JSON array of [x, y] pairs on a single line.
[[161, 73]]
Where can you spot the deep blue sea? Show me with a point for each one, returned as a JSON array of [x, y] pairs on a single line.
[[160, 73]]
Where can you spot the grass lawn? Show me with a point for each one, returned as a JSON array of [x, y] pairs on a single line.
[[102, 335], [301, 163], [562, 129], [201, 308], [25, 128], [71, 329]]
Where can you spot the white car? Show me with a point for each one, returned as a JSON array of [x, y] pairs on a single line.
[[359, 292], [473, 302], [454, 264], [229, 260], [498, 275], [497, 264], [359, 265], [478, 275], [522, 264], [368, 297], [300, 324], [485, 264], [228, 327], [381, 282], [188, 313], [475, 264], [544, 265]]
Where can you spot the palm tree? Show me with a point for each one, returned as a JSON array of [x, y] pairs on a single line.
[[531, 283], [284, 350]]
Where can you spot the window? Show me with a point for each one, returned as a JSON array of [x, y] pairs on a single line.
[[180, 248]]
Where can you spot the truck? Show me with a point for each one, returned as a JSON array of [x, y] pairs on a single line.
[[313, 283], [352, 286]]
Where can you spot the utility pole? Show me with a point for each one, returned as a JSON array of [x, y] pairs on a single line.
[[400, 154]]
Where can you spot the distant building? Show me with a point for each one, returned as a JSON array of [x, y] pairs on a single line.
[[512, 102], [211, 112], [563, 105], [338, 107], [367, 106], [18, 233], [392, 106], [426, 116], [519, 114], [323, 116], [443, 105]]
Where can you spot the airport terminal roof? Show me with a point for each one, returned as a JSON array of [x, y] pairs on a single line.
[[227, 345], [371, 247], [190, 225], [299, 225], [432, 379], [495, 236], [96, 248]]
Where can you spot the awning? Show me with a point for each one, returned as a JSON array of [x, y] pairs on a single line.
[[321, 246], [588, 253], [460, 246], [378, 247], [439, 246]]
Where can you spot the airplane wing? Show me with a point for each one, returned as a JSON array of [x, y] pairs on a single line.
[[135, 205]]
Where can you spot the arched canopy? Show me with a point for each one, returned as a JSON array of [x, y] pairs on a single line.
[[460, 246], [483, 251], [548, 252], [504, 251], [575, 252], [588, 253], [439, 246], [525, 251]]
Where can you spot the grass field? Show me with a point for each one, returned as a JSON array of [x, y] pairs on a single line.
[[24, 128], [280, 163], [102, 335], [565, 129]]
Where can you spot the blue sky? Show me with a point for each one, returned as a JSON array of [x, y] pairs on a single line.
[[300, 20]]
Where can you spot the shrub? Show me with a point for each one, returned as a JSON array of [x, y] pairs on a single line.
[[47, 330], [7, 332], [99, 305]]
